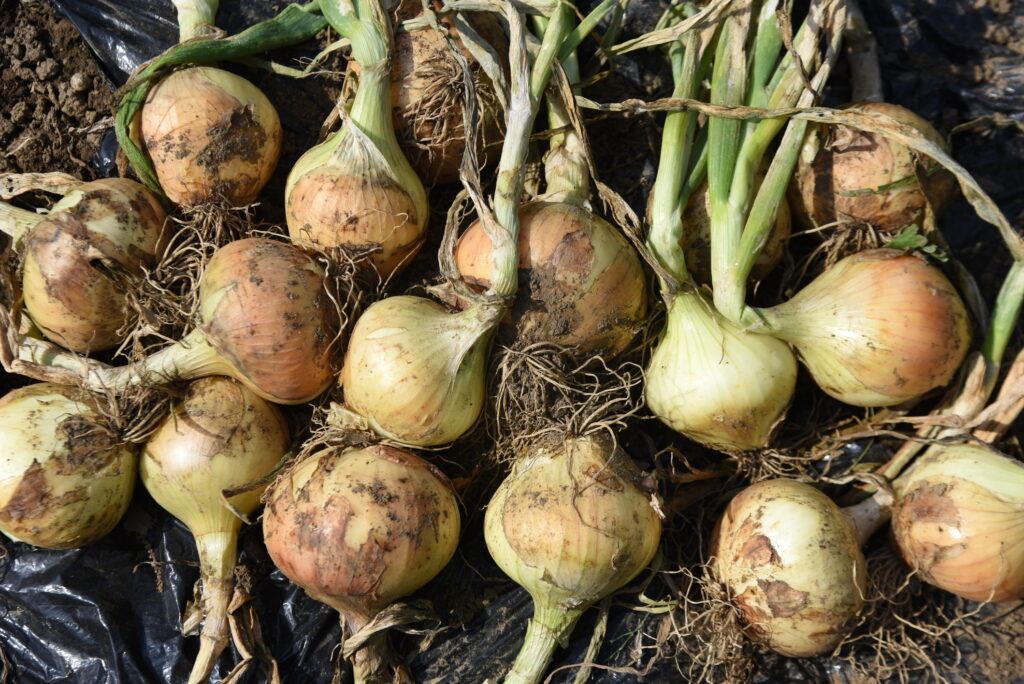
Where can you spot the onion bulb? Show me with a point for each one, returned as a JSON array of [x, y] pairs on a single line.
[[571, 526], [415, 372], [65, 479], [715, 383], [71, 294], [844, 174], [878, 328], [212, 136], [792, 563], [959, 521], [359, 529], [220, 436], [581, 282]]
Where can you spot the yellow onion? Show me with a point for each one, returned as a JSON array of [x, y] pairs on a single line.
[[581, 282], [359, 529], [844, 174], [571, 526], [415, 372], [65, 479], [113, 224], [212, 136], [792, 563], [876, 329], [715, 383], [959, 521], [220, 436]]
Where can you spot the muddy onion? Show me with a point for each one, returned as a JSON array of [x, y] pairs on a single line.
[[570, 525], [212, 136], [70, 289], [415, 372], [581, 282], [844, 174], [717, 384], [959, 521], [876, 329], [220, 436], [359, 529], [65, 479], [792, 563]]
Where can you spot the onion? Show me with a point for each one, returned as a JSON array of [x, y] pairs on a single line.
[[792, 562], [220, 437], [959, 521], [878, 328], [211, 135], [113, 224], [571, 526], [844, 174], [582, 285], [65, 479], [358, 530], [415, 372], [715, 383]]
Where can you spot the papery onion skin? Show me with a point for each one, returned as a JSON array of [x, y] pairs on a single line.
[[581, 282], [68, 289], [959, 521], [878, 328], [716, 384], [839, 173], [264, 308], [211, 135], [65, 480], [416, 372], [792, 563]]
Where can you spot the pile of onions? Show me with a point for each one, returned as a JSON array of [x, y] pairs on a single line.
[[356, 190], [878, 328], [791, 561], [581, 282], [959, 521], [265, 319], [65, 478], [716, 383], [847, 175], [571, 525], [219, 437], [211, 135], [70, 292], [359, 529]]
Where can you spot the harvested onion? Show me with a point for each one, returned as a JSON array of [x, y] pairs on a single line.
[[959, 521], [844, 174], [876, 329], [219, 437], [581, 282], [571, 526], [358, 530], [65, 478], [715, 383]]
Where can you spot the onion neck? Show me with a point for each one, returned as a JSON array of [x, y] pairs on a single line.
[[377, 663], [196, 18], [217, 553], [549, 626], [869, 515], [17, 222]]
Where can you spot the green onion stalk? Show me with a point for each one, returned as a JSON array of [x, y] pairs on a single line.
[[415, 372]]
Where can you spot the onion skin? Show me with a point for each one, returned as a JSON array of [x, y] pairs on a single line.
[[581, 283], [715, 383], [878, 328], [959, 521], [65, 481], [211, 135], [359, 529], [840, 169], [570, 525], [68, 291], [792, 563]]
